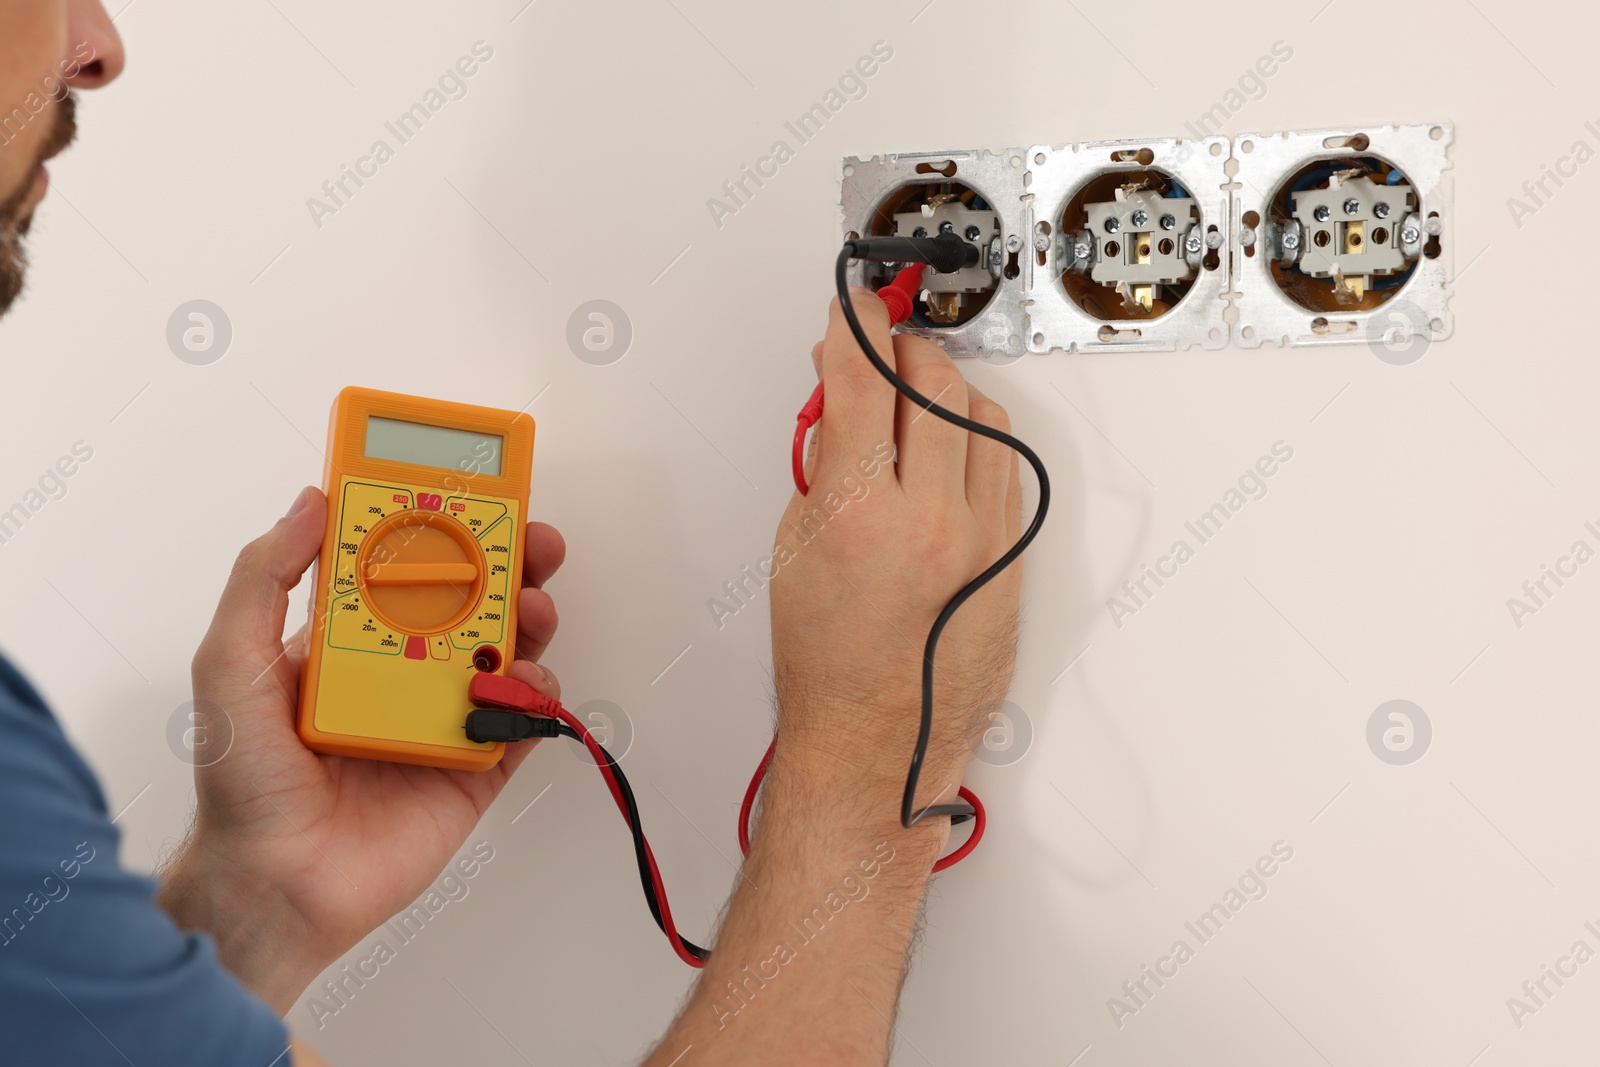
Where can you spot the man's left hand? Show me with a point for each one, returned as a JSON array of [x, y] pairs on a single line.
[[294, 855]]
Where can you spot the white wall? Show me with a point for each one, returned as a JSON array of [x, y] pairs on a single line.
[[1221, 719]]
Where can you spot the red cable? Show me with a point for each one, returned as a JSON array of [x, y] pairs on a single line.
[[750, 792], [599, 757], [675, 939], [804, 421], [979, 822], [979, 818], [503, 691]]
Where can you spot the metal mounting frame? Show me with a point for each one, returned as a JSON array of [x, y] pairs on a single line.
[[1054, 176], [1419, 308], [997, 330]]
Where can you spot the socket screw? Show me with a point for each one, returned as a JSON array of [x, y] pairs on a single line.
[[1113, 224], [1322, 213], [1352, 206], [947, 227], [1381, 210], [1140, 217], [1168, 222], [1191, 244], [972, 233], [1040, 242], [1291, 240], [1013, 243], [1081, 252], [920, 231], [1410, 235]]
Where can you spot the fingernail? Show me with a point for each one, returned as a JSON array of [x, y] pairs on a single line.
[[299, 504], [545, 677]]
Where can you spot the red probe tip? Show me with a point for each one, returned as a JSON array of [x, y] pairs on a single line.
[[898, 295]]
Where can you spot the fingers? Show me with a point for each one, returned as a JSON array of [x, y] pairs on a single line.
[[933, 452], [248, 624], [542, 555], [536, 675], [860, 402], [536, 623], [991, 466]]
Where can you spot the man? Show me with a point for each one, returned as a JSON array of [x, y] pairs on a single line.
[[198, 967]]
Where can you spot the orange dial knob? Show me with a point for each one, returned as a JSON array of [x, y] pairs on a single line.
[[420, 572]]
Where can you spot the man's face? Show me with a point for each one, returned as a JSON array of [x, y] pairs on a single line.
[[16, 211], [47, 47]]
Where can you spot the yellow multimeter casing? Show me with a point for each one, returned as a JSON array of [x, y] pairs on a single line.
[[416, 585]]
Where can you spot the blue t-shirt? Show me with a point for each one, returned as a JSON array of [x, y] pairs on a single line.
[[91, 971]]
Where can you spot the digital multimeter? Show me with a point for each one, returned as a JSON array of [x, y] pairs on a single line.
[[416, 585]]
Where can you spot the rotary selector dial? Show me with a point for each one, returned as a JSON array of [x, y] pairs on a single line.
[[420, 572]]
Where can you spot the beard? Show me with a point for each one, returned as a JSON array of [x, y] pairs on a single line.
[[14, 225]]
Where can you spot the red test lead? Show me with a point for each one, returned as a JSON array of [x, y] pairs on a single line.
[[899, 295]]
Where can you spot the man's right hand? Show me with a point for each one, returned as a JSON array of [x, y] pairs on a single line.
[[904, 510]]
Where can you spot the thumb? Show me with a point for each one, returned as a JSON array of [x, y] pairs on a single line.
[[250, 615]]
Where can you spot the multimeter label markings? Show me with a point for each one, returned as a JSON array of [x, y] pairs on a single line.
[[487, 626], [352, 627], [365, 504], [478, 514]]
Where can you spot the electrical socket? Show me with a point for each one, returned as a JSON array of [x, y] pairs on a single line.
[[1399, 230], [1166, 245]]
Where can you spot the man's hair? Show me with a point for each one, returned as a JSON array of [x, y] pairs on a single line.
[[13, 224]]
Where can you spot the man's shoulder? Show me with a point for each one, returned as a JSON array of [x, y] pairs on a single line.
[[81, 937]]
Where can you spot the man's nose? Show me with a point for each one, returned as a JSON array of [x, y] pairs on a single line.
[[94, 47]]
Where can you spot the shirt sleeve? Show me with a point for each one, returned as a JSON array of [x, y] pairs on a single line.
[[92, 972]]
